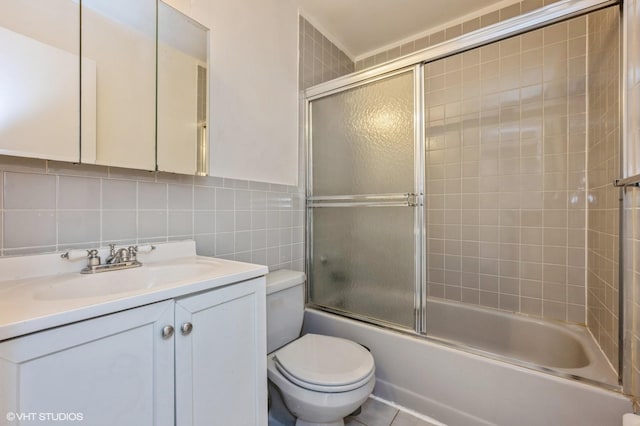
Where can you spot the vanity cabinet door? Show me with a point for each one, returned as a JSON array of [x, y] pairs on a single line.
[[221, 363], [112, 370]]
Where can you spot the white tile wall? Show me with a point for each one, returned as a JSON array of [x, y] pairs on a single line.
[[29, 228], [50, 206], [29, 191], [77, 193]]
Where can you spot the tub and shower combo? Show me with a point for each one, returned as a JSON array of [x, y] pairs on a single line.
[[462, 224]]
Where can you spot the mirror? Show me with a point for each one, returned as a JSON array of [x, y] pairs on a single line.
[[118, 69], [182, 93], [95, 101], [39, 79]]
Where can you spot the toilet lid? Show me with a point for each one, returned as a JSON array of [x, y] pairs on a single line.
[[325, 363]]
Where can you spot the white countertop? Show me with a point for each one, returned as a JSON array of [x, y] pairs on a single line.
[[39, 292]]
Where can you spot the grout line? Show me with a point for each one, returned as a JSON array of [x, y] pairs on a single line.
[[408, 411], [394, 417]]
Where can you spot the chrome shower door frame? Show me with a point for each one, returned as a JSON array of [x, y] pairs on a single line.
[[413, 199]]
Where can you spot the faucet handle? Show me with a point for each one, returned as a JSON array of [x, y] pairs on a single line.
[[112, 249], [133, 251], [145, 249], [75, 254], [92, 258]]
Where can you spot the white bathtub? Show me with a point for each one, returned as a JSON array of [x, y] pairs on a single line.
[[564, 348], [460, 388]]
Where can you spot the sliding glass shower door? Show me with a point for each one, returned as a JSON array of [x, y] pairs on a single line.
[[364, 198], [468, 199]]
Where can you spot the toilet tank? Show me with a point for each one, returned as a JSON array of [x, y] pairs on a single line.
[[285, 307]]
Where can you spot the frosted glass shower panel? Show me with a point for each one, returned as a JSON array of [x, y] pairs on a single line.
[[363, 262], [363, 139]]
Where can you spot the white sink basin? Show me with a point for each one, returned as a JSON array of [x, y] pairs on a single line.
[[82, 286], [177, 271], [124, 281]]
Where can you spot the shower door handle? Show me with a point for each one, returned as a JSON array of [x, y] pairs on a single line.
[[409, 199], [627, 182]]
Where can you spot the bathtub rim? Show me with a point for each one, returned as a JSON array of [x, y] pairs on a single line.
[[618, 388]]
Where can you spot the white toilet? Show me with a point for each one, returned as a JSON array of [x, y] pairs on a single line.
[[321, 379]]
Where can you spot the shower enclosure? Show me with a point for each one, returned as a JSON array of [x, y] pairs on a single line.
[[464, 194]]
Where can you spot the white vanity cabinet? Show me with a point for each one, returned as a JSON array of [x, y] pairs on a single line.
[[112, 370], [127, 368]]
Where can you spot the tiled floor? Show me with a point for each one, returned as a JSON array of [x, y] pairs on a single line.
[[374, 413], [377, 413]]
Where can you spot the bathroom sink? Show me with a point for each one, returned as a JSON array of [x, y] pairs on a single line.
[[83, 286], [177, 271], [44, 291], [123, 281]]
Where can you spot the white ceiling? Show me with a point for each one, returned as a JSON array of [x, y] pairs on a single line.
[[363, 26]]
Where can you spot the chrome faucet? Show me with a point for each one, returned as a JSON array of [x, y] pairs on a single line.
[[121, 258], [120, 255]]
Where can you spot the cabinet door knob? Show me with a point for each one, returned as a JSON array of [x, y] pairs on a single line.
[[167, 331], [186, 328]]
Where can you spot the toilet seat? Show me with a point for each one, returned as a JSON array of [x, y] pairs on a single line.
[[325, 363]]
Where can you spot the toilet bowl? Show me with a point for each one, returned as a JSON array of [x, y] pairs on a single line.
[[321, 379], [317, 389]]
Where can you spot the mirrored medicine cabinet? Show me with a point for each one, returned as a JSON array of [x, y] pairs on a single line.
[[107, 82]]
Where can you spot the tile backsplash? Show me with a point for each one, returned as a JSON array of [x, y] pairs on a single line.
[[51, 206]]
